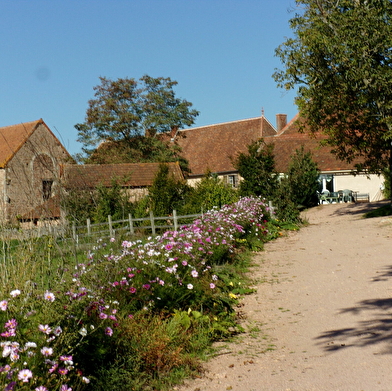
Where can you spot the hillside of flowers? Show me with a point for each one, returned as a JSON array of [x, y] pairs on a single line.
[[135, 314]]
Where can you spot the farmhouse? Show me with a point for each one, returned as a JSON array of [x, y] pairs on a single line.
[[134, 177], [30, 156], [213, 148]]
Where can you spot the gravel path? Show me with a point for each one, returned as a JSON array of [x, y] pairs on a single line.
[[321, 318]]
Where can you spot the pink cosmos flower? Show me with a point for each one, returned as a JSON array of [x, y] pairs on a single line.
[[102, 315], [65, 387], [49, 296], [109, 331], [47, 351], [66, 359], [194, 273], [41, 388], [63, 371], [3, 305], [8, 333], [53, 368], [45, 329], [212, 285], [25, 375], [12, 323], [132, 290]]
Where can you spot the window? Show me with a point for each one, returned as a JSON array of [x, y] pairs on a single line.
[[232, 180], [47, 189]]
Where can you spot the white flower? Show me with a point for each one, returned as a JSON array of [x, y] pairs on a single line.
[[6, 351], [15, 293], [49, 296], [47, 351], [189, 286], [83, 332]]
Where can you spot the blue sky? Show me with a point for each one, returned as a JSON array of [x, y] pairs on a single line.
[[221, 53]]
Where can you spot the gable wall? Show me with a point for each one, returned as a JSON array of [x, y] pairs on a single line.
[[37, 160]]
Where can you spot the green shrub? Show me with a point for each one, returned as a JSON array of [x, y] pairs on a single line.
[[211, 192], [257, 168]]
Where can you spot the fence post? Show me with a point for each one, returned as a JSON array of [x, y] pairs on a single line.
[[272, 209], [152, 222], [132, 230], [88, 227], [111, 233], [175, 221]]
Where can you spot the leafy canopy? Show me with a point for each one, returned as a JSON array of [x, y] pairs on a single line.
[[340, 59], [125, 109]]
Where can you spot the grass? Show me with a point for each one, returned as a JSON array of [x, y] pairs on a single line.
[[385, 210]]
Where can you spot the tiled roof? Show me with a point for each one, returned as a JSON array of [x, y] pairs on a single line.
[[13, 137], [212, 147], [126, 174], [47, 210]]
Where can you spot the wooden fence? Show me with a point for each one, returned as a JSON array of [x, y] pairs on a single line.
[[131, 225]]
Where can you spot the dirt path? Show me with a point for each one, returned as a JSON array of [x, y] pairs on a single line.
[[322, 315]]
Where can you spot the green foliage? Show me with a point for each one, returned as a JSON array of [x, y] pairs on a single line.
[[166, 193], [119, 338], [211, 192], [113, 201], [286, 208], [340, 59], [98, 204], [387, 183], [385, 210], [257, 168], [141, 150], [79, 205], [297, 188], [126, 111], [302, 176]]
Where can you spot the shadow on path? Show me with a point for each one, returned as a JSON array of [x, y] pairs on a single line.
[[384, 275], [360, 208], [376, 329]]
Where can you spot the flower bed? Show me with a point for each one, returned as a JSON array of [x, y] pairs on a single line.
[[64, 338]]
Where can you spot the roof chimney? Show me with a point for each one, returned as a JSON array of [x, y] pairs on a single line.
[[281, 121]]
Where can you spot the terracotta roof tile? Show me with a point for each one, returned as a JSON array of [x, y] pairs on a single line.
[[13, 137], [211, 147], [47, 210], [127, 174]]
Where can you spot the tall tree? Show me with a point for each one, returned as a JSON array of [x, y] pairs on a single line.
[[340, 59], [126, 110]]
